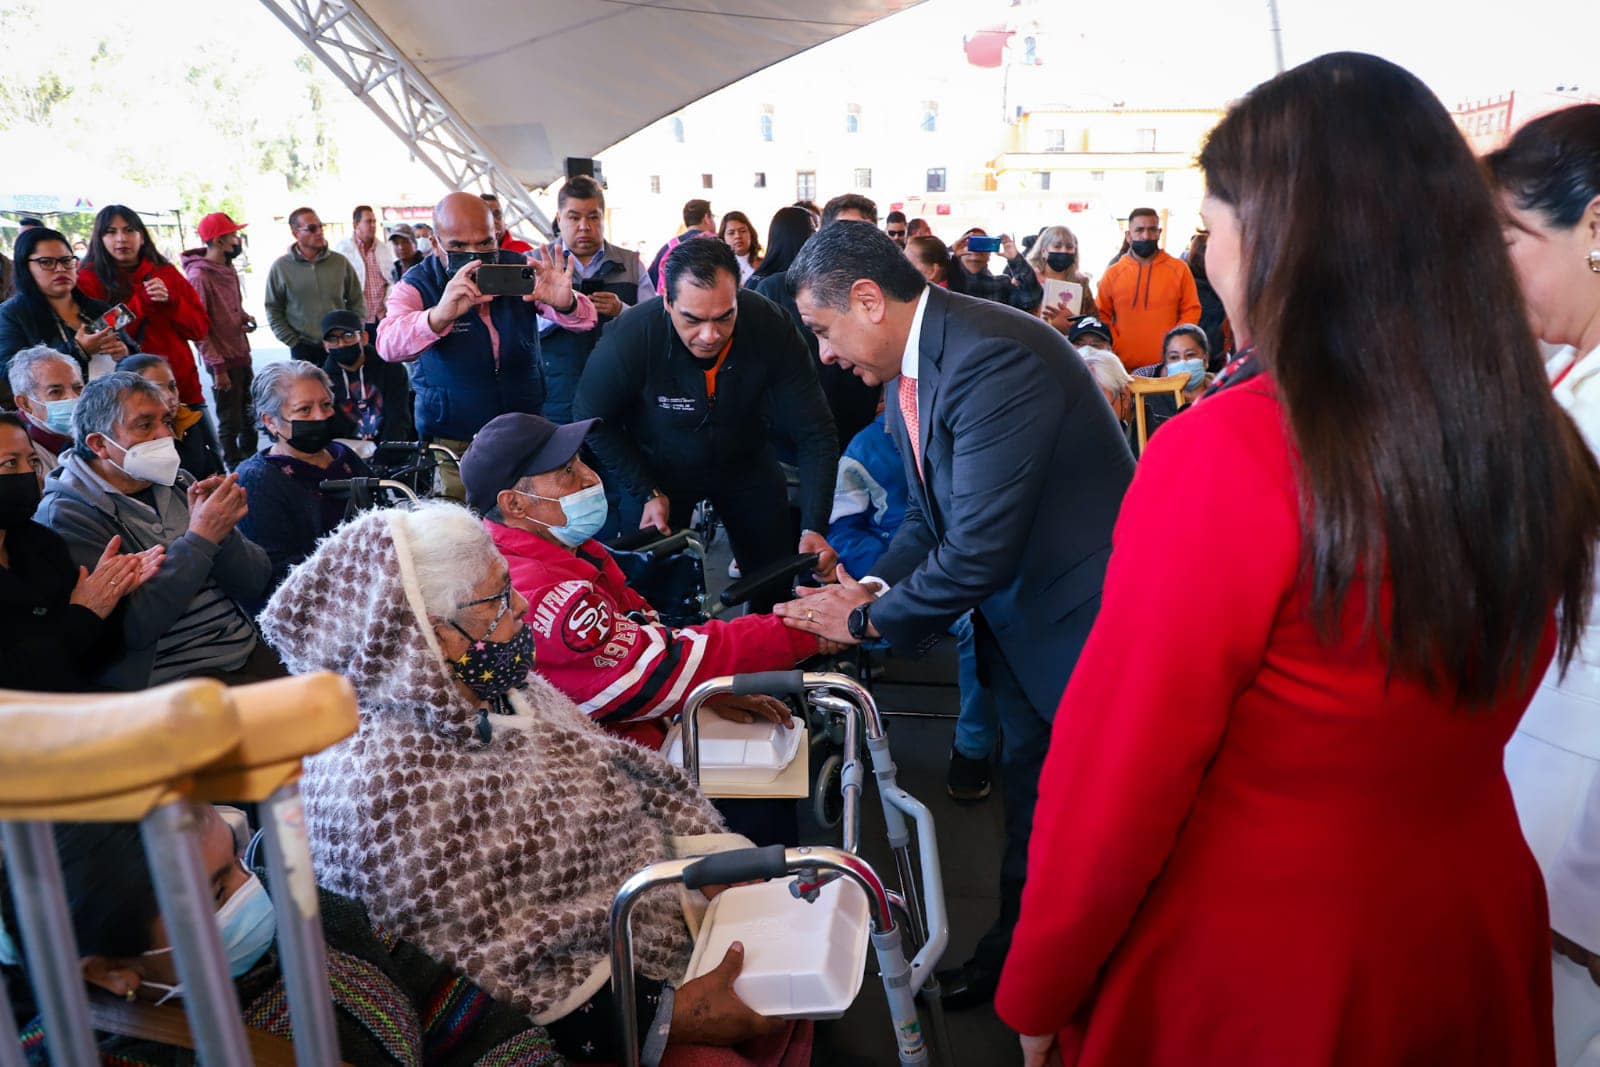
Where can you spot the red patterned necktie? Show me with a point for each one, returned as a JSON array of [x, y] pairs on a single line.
[[908, 412]]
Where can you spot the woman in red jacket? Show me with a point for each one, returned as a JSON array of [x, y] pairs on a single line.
[[122, 266], [1285, 836]]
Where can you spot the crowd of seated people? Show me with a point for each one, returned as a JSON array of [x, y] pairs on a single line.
[[487, 637]]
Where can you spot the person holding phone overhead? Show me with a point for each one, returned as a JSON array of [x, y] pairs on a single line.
[[477, 354], [51, 309], [969, 271]]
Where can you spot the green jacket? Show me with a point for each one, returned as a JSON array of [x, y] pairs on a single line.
[[300, 291]]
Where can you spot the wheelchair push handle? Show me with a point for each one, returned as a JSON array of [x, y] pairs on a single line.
[[770, 683], [346, 485], [782, 572], [653, 541], [738, 865]]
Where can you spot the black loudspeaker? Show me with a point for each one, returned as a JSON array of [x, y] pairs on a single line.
[[577, 165]]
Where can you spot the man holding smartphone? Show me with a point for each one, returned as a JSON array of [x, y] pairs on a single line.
[[477, 353]]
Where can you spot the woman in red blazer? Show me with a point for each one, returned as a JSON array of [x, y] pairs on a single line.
[[1284, 837], [123, 266]]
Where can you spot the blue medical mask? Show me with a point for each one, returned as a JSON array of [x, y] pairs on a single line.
[[1196, 369], [586, 512], [247, 924], [58, 415]]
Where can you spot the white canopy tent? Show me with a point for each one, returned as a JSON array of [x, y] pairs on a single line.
[[495, 94]]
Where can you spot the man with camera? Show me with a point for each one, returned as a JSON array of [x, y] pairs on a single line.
[[469, 316], [613, 278]]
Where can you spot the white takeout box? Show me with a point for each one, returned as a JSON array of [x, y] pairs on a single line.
[[747, 759], [801, 961]]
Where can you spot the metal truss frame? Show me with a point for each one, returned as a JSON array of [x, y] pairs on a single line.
[[363, 57]]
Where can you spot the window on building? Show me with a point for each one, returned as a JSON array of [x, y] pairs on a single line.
[[1097, 175], [1043, 180], [1055, 140], [852, 118], [930, 116], [677, 129], [863, 177], [655, 183], [935, 179], [1030, 51], [1155, 181], [766, 127], [761, 179], [705, 181], [805, 185], [1147, 140]]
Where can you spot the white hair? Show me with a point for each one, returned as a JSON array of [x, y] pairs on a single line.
[[451, 553], [26, 364], [1109, 373]]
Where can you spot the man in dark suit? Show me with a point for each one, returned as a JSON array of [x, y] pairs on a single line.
[[1016, 469]]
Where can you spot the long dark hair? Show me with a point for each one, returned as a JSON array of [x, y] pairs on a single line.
[[755, 237], [1438, 461], [1552, 165], [118, 288], [27, 242], [790, 228]]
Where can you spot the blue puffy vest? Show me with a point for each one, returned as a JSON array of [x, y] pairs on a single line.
[[458, 382]]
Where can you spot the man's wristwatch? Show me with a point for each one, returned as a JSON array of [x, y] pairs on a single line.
[[858, 622]]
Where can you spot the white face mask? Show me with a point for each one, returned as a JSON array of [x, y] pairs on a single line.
[[151, 461]]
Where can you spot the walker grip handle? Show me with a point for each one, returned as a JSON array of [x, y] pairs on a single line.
[[735, 866], [770, 683]]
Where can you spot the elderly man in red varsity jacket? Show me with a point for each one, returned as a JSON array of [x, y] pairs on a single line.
[[594, 638]]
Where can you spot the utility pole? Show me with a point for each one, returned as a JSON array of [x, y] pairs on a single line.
[[1277, 34]]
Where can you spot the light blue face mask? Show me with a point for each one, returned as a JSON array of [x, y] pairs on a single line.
[[586, 512], [248, 925], [1196, 369], [58, 415]]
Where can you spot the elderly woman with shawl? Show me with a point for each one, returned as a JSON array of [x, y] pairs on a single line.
[[477, 812]]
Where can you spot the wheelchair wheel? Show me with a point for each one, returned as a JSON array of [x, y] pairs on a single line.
[[827, 798], [704, 523]]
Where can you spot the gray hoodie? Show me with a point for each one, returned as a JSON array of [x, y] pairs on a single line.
[[199, 582]]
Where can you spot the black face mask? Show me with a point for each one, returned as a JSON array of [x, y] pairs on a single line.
[[19, 498], [1144, 249], [309, 435], [454, 261], [234, 253], [1060, 262], [346, 355]]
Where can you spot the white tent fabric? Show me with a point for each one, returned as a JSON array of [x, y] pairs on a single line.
[[540, 80]]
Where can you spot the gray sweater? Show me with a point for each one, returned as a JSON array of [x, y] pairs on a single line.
[[183, 620]]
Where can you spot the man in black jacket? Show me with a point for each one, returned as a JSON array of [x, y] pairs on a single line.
[[371, 398], [1016, 469], [692, 387]]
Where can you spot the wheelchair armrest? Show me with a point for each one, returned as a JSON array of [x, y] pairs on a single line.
[[782, 572]]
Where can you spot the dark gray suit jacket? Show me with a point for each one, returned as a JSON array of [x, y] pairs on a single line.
[[1025, 468]]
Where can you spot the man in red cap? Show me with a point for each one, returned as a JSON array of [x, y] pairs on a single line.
[[225, 350]]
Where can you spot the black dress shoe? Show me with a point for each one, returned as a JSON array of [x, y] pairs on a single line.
[[968, 778], [966, 986]]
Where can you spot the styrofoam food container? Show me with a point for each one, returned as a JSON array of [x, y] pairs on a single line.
[[801, 961], [759, 751]]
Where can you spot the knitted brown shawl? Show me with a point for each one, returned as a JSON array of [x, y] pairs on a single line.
[[500, 858]]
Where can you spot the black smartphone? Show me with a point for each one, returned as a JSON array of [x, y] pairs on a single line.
[[506, 279], [979, 243]]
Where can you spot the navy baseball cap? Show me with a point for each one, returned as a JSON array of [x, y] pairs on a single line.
[[341, 320], [510, 447], [1087, 325]]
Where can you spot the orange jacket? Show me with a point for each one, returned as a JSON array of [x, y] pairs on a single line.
[[1141, 301]]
